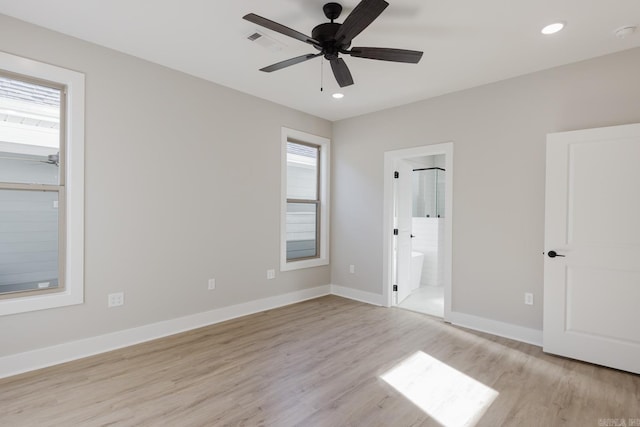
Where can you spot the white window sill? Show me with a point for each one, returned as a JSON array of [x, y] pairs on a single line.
[[40, 302], [306, 263]]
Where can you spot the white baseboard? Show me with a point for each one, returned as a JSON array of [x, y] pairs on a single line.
[[357, 295], [41, 358], [494, 327]]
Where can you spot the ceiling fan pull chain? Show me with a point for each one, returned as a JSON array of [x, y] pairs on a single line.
[[321, 75]]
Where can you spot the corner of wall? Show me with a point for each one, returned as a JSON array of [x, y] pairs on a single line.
[[357, 295]]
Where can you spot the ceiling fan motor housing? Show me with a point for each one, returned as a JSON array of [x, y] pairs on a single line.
[[326, 35]]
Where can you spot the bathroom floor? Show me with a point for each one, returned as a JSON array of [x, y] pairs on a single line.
[[426, 299]]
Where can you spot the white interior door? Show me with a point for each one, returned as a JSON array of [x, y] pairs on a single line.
[[592, 221], [403, 240]]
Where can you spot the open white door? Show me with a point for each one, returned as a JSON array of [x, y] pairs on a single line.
[[403, 239], [592, 223]]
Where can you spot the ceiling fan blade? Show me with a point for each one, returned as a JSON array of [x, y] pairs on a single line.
[[341, 72], [279, 28], [289, 62], [386, 54], [362, 16]]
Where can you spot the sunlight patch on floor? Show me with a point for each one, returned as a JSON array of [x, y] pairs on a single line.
[[442, 392]]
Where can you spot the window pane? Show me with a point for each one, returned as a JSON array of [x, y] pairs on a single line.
[[302, 171], [28, 240], [29, 132], [301, 230]]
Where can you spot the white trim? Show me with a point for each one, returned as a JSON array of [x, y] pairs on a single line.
[[495, 327], [357, 295], [391, 159], [595, 134], [325, 156], [41, 358], [74, 193]]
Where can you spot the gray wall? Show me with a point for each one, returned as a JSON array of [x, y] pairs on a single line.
[[499, 133], [174, 178]]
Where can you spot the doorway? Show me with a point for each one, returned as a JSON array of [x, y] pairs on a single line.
[[418, 233]]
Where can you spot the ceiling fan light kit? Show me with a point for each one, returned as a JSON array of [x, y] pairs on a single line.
[[332, 39]]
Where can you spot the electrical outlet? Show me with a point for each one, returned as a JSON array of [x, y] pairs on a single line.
[[212, 284], [116, 299], [271, 274], [528, 298], [352, 269]]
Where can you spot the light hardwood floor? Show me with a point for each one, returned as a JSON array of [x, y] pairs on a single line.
[[316, 363]]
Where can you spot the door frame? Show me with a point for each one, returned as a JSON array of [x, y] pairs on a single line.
[[391, 161]]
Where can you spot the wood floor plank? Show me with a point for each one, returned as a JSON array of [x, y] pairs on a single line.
[[316, 363]]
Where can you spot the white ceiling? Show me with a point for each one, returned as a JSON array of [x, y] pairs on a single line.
[[466, 43]]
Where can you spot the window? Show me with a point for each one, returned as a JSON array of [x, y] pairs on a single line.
[[303, 200], [305, 194], [41, 185]]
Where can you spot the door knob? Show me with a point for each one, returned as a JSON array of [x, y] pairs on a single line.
[[553, 254]]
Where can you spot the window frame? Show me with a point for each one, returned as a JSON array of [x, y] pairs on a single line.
[[321, 202], [70, 188]]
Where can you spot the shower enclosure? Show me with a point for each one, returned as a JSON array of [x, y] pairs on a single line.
[[428, 192]]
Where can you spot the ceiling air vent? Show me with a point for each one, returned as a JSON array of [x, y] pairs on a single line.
[[265, 41]]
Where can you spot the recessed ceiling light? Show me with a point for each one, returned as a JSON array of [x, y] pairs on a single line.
[[338, 95], [552, 28]]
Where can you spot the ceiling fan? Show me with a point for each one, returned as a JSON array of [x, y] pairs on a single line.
[[332, 39]]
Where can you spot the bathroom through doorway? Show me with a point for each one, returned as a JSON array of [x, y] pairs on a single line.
[[419, 251]]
